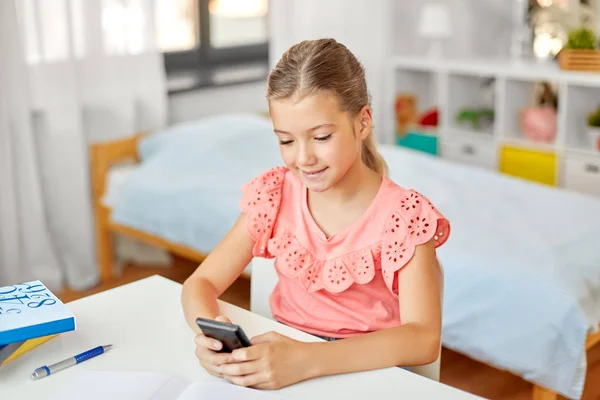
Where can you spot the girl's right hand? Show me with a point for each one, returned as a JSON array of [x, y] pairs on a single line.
[[206, 351]]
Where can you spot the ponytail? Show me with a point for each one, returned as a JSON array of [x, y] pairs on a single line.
[[371, 156]]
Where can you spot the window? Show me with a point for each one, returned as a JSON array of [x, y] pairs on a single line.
[[177, 24], [209, 35]]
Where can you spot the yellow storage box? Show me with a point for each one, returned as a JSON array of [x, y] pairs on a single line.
[[534, 165]]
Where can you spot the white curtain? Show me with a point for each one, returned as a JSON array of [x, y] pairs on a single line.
[[73, 72]]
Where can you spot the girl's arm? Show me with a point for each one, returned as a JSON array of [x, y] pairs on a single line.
[[415, 342], [216, 273]]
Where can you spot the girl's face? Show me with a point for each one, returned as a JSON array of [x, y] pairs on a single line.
[[318, 141]]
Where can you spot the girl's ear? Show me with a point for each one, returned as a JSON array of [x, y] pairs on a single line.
[[365, 122]]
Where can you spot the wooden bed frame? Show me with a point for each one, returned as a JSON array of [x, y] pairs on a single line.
[[103, 157]]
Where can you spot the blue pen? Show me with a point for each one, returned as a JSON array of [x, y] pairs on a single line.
[[69, 362]]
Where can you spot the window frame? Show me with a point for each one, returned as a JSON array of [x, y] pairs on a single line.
[[206, 57]]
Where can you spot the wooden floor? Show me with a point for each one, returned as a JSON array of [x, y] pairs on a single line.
[[456, 370]]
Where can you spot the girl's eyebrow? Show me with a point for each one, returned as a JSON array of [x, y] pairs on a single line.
[[314, 128]]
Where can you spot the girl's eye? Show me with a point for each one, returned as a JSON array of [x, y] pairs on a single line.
[[285, 142], [323, 138]]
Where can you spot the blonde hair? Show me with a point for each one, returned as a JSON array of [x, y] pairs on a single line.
[[326, 64]]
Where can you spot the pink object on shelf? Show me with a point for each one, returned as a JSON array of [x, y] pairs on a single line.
[[539, 123], [594, 134]]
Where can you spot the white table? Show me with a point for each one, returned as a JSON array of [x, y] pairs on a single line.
[[144, 321]]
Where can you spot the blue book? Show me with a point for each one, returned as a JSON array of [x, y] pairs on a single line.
[[29, 310]]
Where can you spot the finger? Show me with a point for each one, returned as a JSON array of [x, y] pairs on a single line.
[[209, 343], [240, 369], [212, 357], [222, 318], [212, 369], [247, 380], [265, 386], [251, 353], [265, 338], [220, 358]]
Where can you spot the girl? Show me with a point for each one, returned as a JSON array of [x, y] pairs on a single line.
[[354, 252]]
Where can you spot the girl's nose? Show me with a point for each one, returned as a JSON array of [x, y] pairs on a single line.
[[306, 156]]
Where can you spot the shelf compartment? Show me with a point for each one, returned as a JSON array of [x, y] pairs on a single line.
[[419, 93], [533, 165], [470, 102], [521, 95], [582, 173], [582, 100], [470, 152]]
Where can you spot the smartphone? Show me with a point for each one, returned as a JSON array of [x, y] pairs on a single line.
[[230, 335]]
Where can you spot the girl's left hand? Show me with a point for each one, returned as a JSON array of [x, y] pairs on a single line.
[[272, 362]]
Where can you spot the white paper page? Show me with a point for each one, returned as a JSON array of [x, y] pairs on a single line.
[[121, 385], [224, 391]]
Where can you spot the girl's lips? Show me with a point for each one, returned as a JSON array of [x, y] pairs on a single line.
[[314, 175]]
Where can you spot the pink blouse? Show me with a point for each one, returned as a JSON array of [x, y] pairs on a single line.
[[346, 284]]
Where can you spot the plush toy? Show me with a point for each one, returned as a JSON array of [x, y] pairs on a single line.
[[406, 112]]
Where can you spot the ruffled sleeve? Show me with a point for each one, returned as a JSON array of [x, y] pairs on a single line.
[[414, 221], [261, 198]]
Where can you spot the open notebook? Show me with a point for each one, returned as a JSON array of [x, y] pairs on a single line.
[[139, 385]]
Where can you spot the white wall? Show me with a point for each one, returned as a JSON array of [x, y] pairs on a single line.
[[186, 106], [480, 28]]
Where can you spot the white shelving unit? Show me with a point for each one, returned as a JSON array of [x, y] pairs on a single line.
[[452, 85]]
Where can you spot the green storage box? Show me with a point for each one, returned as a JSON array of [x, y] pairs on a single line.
[[426, 143]]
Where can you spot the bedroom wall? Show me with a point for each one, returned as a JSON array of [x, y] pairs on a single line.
[[480, 28], [249, 97]]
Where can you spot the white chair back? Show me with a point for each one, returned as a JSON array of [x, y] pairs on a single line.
[[262, 282]]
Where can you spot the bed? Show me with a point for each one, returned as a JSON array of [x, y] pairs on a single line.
[[522, 268]]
